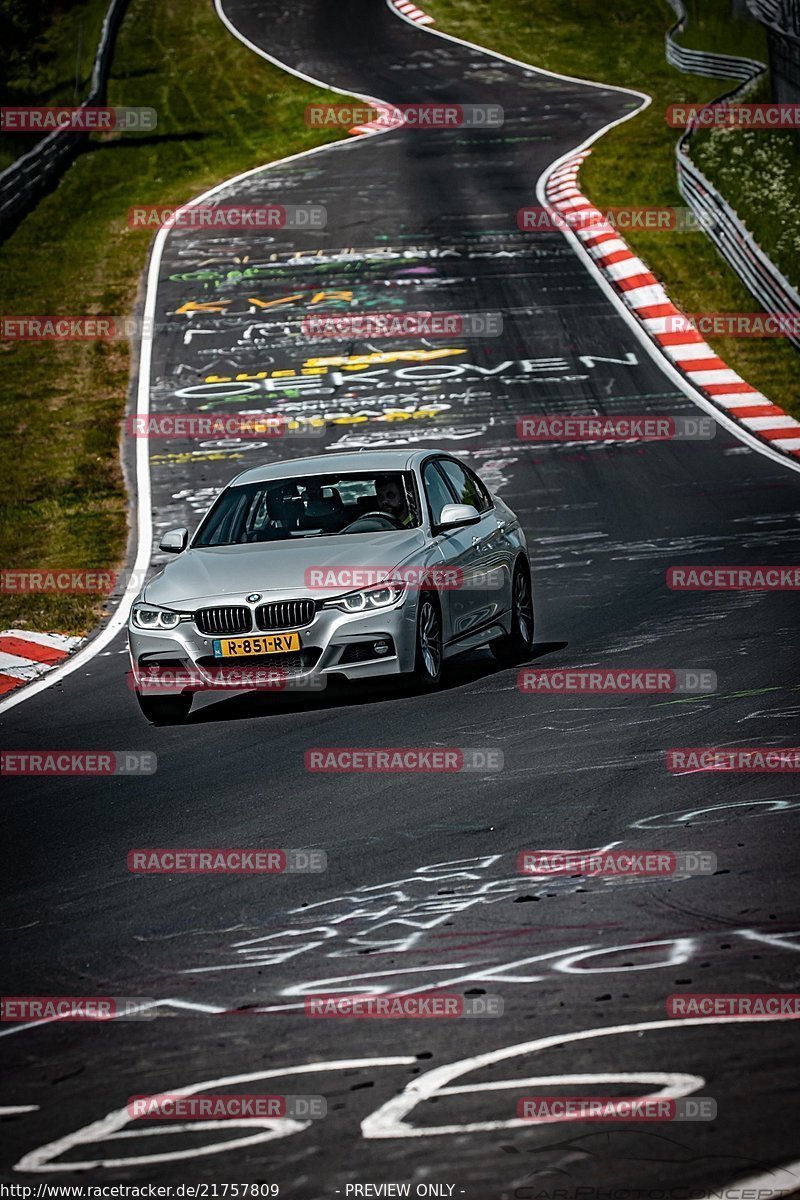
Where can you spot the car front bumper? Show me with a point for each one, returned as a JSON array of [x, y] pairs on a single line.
[[327, 648]]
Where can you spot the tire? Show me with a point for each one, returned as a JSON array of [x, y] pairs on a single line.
[[517, 645], [429, 656], [165, 710]]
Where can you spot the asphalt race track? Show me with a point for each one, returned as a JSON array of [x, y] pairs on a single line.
[[422, 889]]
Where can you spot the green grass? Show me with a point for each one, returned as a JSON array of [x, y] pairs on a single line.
[[48, 58], [758, 173], [634, 164], [712, 26], [221, 110]]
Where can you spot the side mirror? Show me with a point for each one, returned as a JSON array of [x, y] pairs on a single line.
[[458, 514], [174, 541]]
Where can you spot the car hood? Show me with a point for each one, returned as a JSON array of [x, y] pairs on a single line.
[[220, 573]]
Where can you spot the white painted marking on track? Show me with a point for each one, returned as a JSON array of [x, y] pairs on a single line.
[[623, 303], [192, 1005], [688, 351], [742, 399], [641, 297], [119, 617], [57, 641], [388, 1121], [144, 521], [40, 1160], [603, 249], [8, 663], [771, 804], [111, 1125], [626, 268]]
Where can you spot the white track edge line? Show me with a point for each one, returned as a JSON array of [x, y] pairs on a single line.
[[643, 337], [144, 518], [144, 514]]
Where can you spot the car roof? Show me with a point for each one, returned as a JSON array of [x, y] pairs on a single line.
[[345, 461]]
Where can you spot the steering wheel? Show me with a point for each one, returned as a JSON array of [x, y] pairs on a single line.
[[391, 522]]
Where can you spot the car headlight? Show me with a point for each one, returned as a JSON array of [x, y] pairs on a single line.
[[147, 616], [371, 598]]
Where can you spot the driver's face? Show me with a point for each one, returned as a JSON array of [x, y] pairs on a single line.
[[390, 498]]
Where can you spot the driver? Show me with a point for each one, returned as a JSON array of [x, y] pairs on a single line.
[[391, 497]]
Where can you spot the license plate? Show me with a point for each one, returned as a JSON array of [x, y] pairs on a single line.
[[269, 643]]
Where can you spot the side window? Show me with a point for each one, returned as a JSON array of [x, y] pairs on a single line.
[[435, 491], [467, 487], [482, 490]]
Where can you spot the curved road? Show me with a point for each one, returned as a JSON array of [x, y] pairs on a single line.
[[421, 890]]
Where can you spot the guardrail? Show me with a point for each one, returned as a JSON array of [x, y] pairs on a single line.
[[702, 62], [783, 17], [718, 220], [24, 182]]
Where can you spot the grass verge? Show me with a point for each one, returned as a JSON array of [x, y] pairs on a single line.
[[221, 110], [634, 164], [48, 54], [758, 173]]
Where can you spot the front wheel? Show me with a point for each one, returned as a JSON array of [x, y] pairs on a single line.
[[429, 656], [518, 644], [165, 710]]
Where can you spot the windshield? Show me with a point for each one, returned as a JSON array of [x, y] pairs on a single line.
[[314, 506]]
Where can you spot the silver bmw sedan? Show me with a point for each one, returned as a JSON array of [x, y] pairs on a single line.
[[354, 565]]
